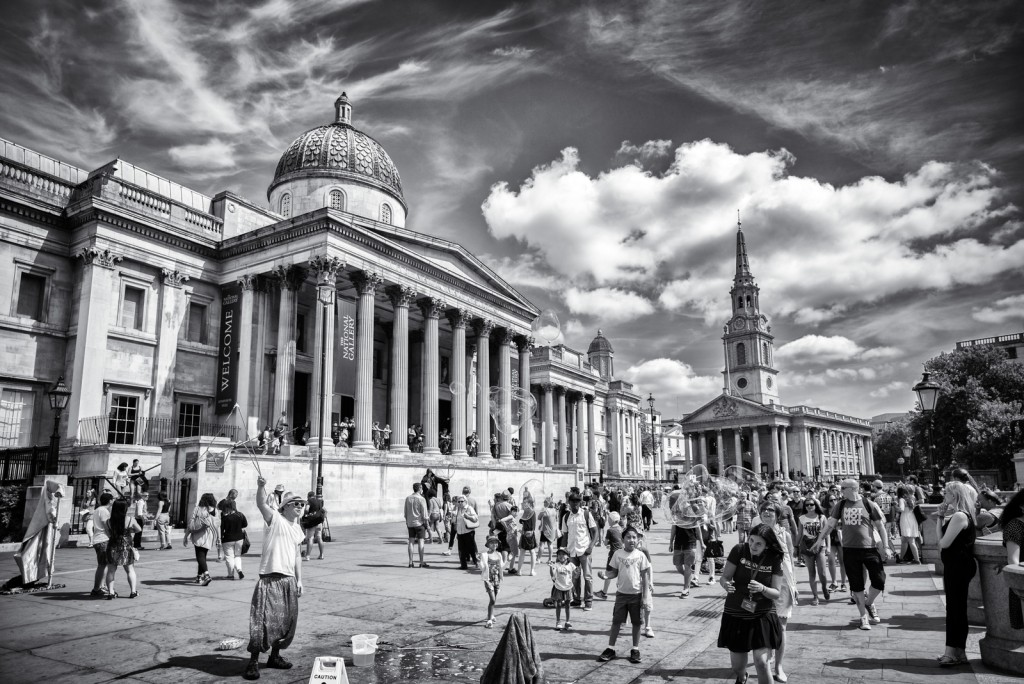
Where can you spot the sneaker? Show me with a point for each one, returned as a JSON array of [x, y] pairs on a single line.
[[512, 571], [833, 586], [446, 553], [601, 595], [588, 606], [873, 612], [649, 633], [606, 655], [634, 655], [827, 594], [575, 603], [864, 623], [814, 601], [252, 670], [99, 593], [241, 575], [559, 626], [842, 587], [278, 663], [206, 579], [568, 625]]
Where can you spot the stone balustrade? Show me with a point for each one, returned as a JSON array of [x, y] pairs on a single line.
[[140, 198], [36, 181], [1002, 646]]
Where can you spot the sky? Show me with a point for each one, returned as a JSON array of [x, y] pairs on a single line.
[[595, 155]]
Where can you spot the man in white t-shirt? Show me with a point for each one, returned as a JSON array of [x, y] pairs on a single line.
[[274, 612], [100, 537], [580, 529]]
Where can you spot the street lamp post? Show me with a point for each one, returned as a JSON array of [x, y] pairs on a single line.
[[325, 295], [927, 397], [654, 447], [59, 396], [907, 451]]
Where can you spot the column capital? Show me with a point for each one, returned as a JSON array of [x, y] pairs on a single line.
[[94, 256], [505, 335], [431, 307], [483, 327], [525, 343], [547, 387], [458, 318], [366, 281], [325, 269], [174, 278], [400, 295], [248, 281], [560, 390], [589, 397], [289, 277]]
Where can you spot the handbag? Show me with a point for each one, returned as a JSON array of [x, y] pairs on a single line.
[[326, 533], [470, 524], [715, 549], [245, 542], [919, 515]]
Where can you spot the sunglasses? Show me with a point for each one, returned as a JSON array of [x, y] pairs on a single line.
[[298, 504]]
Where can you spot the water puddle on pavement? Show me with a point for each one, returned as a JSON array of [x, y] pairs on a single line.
[[445, 663]]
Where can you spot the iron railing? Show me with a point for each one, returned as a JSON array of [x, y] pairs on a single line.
[[16, 464], [147, 431]]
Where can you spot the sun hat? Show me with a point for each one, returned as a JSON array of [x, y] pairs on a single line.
[[562, 550], [279, 488], [290, 497], [491, 538]]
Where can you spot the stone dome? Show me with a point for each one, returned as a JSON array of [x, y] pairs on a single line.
[[340, 152], [600, 344]]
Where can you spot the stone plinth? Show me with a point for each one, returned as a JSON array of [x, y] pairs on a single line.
[[1018, 467], [975, 597], [930, 547], [1002, 647]]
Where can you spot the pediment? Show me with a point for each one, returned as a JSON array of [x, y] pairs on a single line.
[[727, 408]]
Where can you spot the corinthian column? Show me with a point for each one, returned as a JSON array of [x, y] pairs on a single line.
[[525, 345], [561, 459], [325, 270], [483, 329], [431, 308], [505, 338], [366, 285], [591, 436], [457, 319], [776, 463], [247, 285], [785, 452], [549, 424], [400, 296], [581, 448], [289, 280]]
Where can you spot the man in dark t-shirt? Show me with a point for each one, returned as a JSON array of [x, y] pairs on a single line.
[[862, 552]]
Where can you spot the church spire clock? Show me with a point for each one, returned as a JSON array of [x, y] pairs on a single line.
[[750, 347]]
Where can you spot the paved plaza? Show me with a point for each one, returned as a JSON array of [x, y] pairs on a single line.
[[431, 624]]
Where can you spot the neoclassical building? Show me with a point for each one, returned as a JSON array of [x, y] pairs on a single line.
[[747, 425], [173, 315]]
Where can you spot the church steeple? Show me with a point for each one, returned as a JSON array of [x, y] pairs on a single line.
[[749, 345]]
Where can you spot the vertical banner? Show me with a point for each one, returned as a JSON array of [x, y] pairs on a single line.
[[227, 357], [345, 354]]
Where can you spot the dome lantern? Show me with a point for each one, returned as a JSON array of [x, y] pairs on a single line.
[[343, 110]]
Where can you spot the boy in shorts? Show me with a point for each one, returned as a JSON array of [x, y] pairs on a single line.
[[633, 573]]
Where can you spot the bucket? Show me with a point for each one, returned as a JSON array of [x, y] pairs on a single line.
[[364, 649]]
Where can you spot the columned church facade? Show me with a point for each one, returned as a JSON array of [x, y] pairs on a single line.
[[173, 315], [747, 425]]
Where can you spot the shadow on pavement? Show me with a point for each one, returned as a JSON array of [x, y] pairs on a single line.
[[913, 666], [704, 674], [918, 622], [570, 656], [171, 582], [213, 664], [913, 592]]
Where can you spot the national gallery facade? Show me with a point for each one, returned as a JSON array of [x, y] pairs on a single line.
[[182, 322]]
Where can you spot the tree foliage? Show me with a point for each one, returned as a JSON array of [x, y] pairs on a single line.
[[982, 391], [888, 447]]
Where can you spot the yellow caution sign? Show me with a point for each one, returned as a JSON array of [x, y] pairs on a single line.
[[328, 669]]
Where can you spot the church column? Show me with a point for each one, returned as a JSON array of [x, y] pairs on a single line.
[[524, 344], [95, 314], [611, 458], [549, 424], [289, 280], [483, 330], [702, 437], [431, 307], [738, 445], [776, 463], [562, 451], [784, 441], [469, 383], [401, 296], [869, 447], [173, 304], [325, 270], [755, 442], [720, 444], [581, 449], [457, 320], [505, 339], [591, 435], [247, 287], [366, 285]]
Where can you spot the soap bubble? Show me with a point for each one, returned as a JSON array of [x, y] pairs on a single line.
[[533, 490], [458, 388], [521, 406], [744, 477], [703, 497], [546, 326]]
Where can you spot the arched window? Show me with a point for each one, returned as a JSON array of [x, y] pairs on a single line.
[[286, 205], [764, 354], [833, 439], [748, 301], [385, 213], [741, 354], [739, 302], [337, 200]]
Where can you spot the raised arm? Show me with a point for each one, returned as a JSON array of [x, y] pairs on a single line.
[[261, 500]]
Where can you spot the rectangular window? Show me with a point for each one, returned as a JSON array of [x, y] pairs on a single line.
[[300, 332], [189, 417], [133, 308], [123, 422], [31, 292], [16, 409], [195, 324]]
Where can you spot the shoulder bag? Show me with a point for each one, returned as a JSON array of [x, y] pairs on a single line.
[[919, 515], [326, 533], [245, 542]]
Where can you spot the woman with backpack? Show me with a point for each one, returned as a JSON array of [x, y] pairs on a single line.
[[202, 532], [312, 523], [120, 550]]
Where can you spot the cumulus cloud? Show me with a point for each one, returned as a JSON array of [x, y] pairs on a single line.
[[820, 249], [644, 155], [524, 270], [670, 380], [1004, 310], [894, 387], [607, 304], [818, 349]]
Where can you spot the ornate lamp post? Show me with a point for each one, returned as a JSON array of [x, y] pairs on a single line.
[[324, 295], [654, 446], [59, 397], [905, 458], [927, 397]]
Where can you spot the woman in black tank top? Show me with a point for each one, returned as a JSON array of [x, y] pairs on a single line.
[[956, 544]]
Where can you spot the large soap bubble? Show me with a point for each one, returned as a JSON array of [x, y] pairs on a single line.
[[703, 497], [546, 326], [511, 407], [534, 492], [744, 477]]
